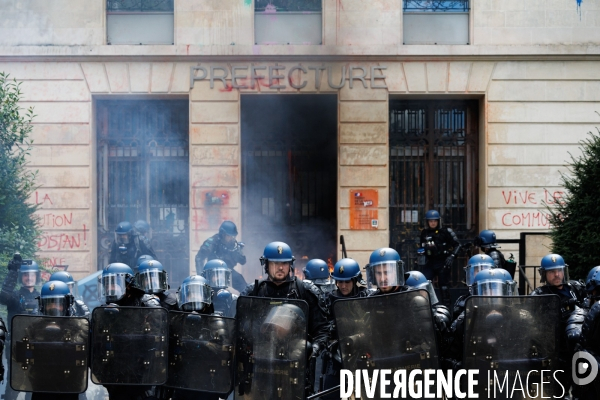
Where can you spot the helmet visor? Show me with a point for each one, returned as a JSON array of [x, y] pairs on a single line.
[[29, 278], [152, 281], [218, 277], [194, 297], [121, 238], [112, 287], [471, 271], [283, 320], [556, 276], [495, 288], [73, 289], [54, 306], [387, 274]]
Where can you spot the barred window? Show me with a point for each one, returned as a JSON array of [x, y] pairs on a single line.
[[287, 5], [436, 5], [139, 5], [435, 21]]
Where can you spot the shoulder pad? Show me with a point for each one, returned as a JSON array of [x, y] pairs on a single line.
[[170, 298], [577, 316], [538, 291], [441, 310], [449, 230], [308, 285]]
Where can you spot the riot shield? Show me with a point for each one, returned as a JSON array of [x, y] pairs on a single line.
[[271, 348], [49, 354], [393, 332], [129, 345], [201, 349], [512, 340]]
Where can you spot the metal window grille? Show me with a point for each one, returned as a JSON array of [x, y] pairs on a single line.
[[436, 5], [140, 6], [287, 5]]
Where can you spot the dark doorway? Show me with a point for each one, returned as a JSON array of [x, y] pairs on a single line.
[[433, 165], [143, 174], [289, 175]]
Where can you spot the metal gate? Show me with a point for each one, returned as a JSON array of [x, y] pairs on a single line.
[[289, 174], [433, 165], [143, 174]]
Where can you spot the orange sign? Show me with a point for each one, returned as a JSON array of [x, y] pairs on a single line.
[[363, 209]]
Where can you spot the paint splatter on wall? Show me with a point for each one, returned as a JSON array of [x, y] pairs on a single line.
[[579, 8], [248, 3]]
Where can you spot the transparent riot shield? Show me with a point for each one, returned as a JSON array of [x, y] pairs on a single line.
[[393, 331], [513, 342], [49, 354], [271, 348], [201, 349], [129, 345]]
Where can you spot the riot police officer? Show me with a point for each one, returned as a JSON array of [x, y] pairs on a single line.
[[386, 271], [554, 274], [317, 271], [218, 276], [22, 301], [278, 261], [127, 246], [152, 279], [476, 264], [223, 246], [141, 259], [441, 248], [441, 315], [80, 309], [118, 289], [486, 241]]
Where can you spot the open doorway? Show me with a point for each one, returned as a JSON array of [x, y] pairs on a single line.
[[289, 175]]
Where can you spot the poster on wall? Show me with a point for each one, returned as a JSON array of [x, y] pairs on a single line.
[[363, 209]]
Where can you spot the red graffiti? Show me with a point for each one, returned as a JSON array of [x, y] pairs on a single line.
[[43, 200], [55, 220], [533, 219], [54, 262], [520, 197], [63, 241], [555, 197]]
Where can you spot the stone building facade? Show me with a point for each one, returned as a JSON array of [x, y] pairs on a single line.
[[532, 68]]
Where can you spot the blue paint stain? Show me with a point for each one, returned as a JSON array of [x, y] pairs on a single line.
[[579, 8], [249, 2]]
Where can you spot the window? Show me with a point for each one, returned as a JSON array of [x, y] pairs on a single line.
[[288, 22], [436, 21], [140, 21]]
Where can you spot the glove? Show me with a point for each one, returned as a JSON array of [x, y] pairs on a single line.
[[15, 263], [449, 261]]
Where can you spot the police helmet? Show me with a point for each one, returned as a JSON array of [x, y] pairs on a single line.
[[433, 215], [476, 264], [67, 278], [228, 228], [346, 269], [283, 320], [55, 299], [494, 282], [486, 239], [385, 262], [29, 273], [553, 262], [418, 281], [194, 294], [217, 273], [278, 252], [151, 277], [114, 281], [316, 269], [592, 282], [123, 233], [142, 226]]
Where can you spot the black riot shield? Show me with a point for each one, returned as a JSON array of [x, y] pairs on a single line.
[[393, 332], [129, 345], [201, 349], [271, 348], [49, 354], [511, 340]]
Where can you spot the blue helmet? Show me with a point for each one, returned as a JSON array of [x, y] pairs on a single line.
[[389, 266], [194, 294], [432, 214], [114, 281], [346, 269], [417, 280], [316, 269], [142, 227], [29, 273], [55, 299], [276, 251], [476, 264], [494, 282], [67, 278], [142, 258], [553, 262], [228, 228], [123, 233], [151, 277], [217, 273], [486, 239], [592, 282]]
